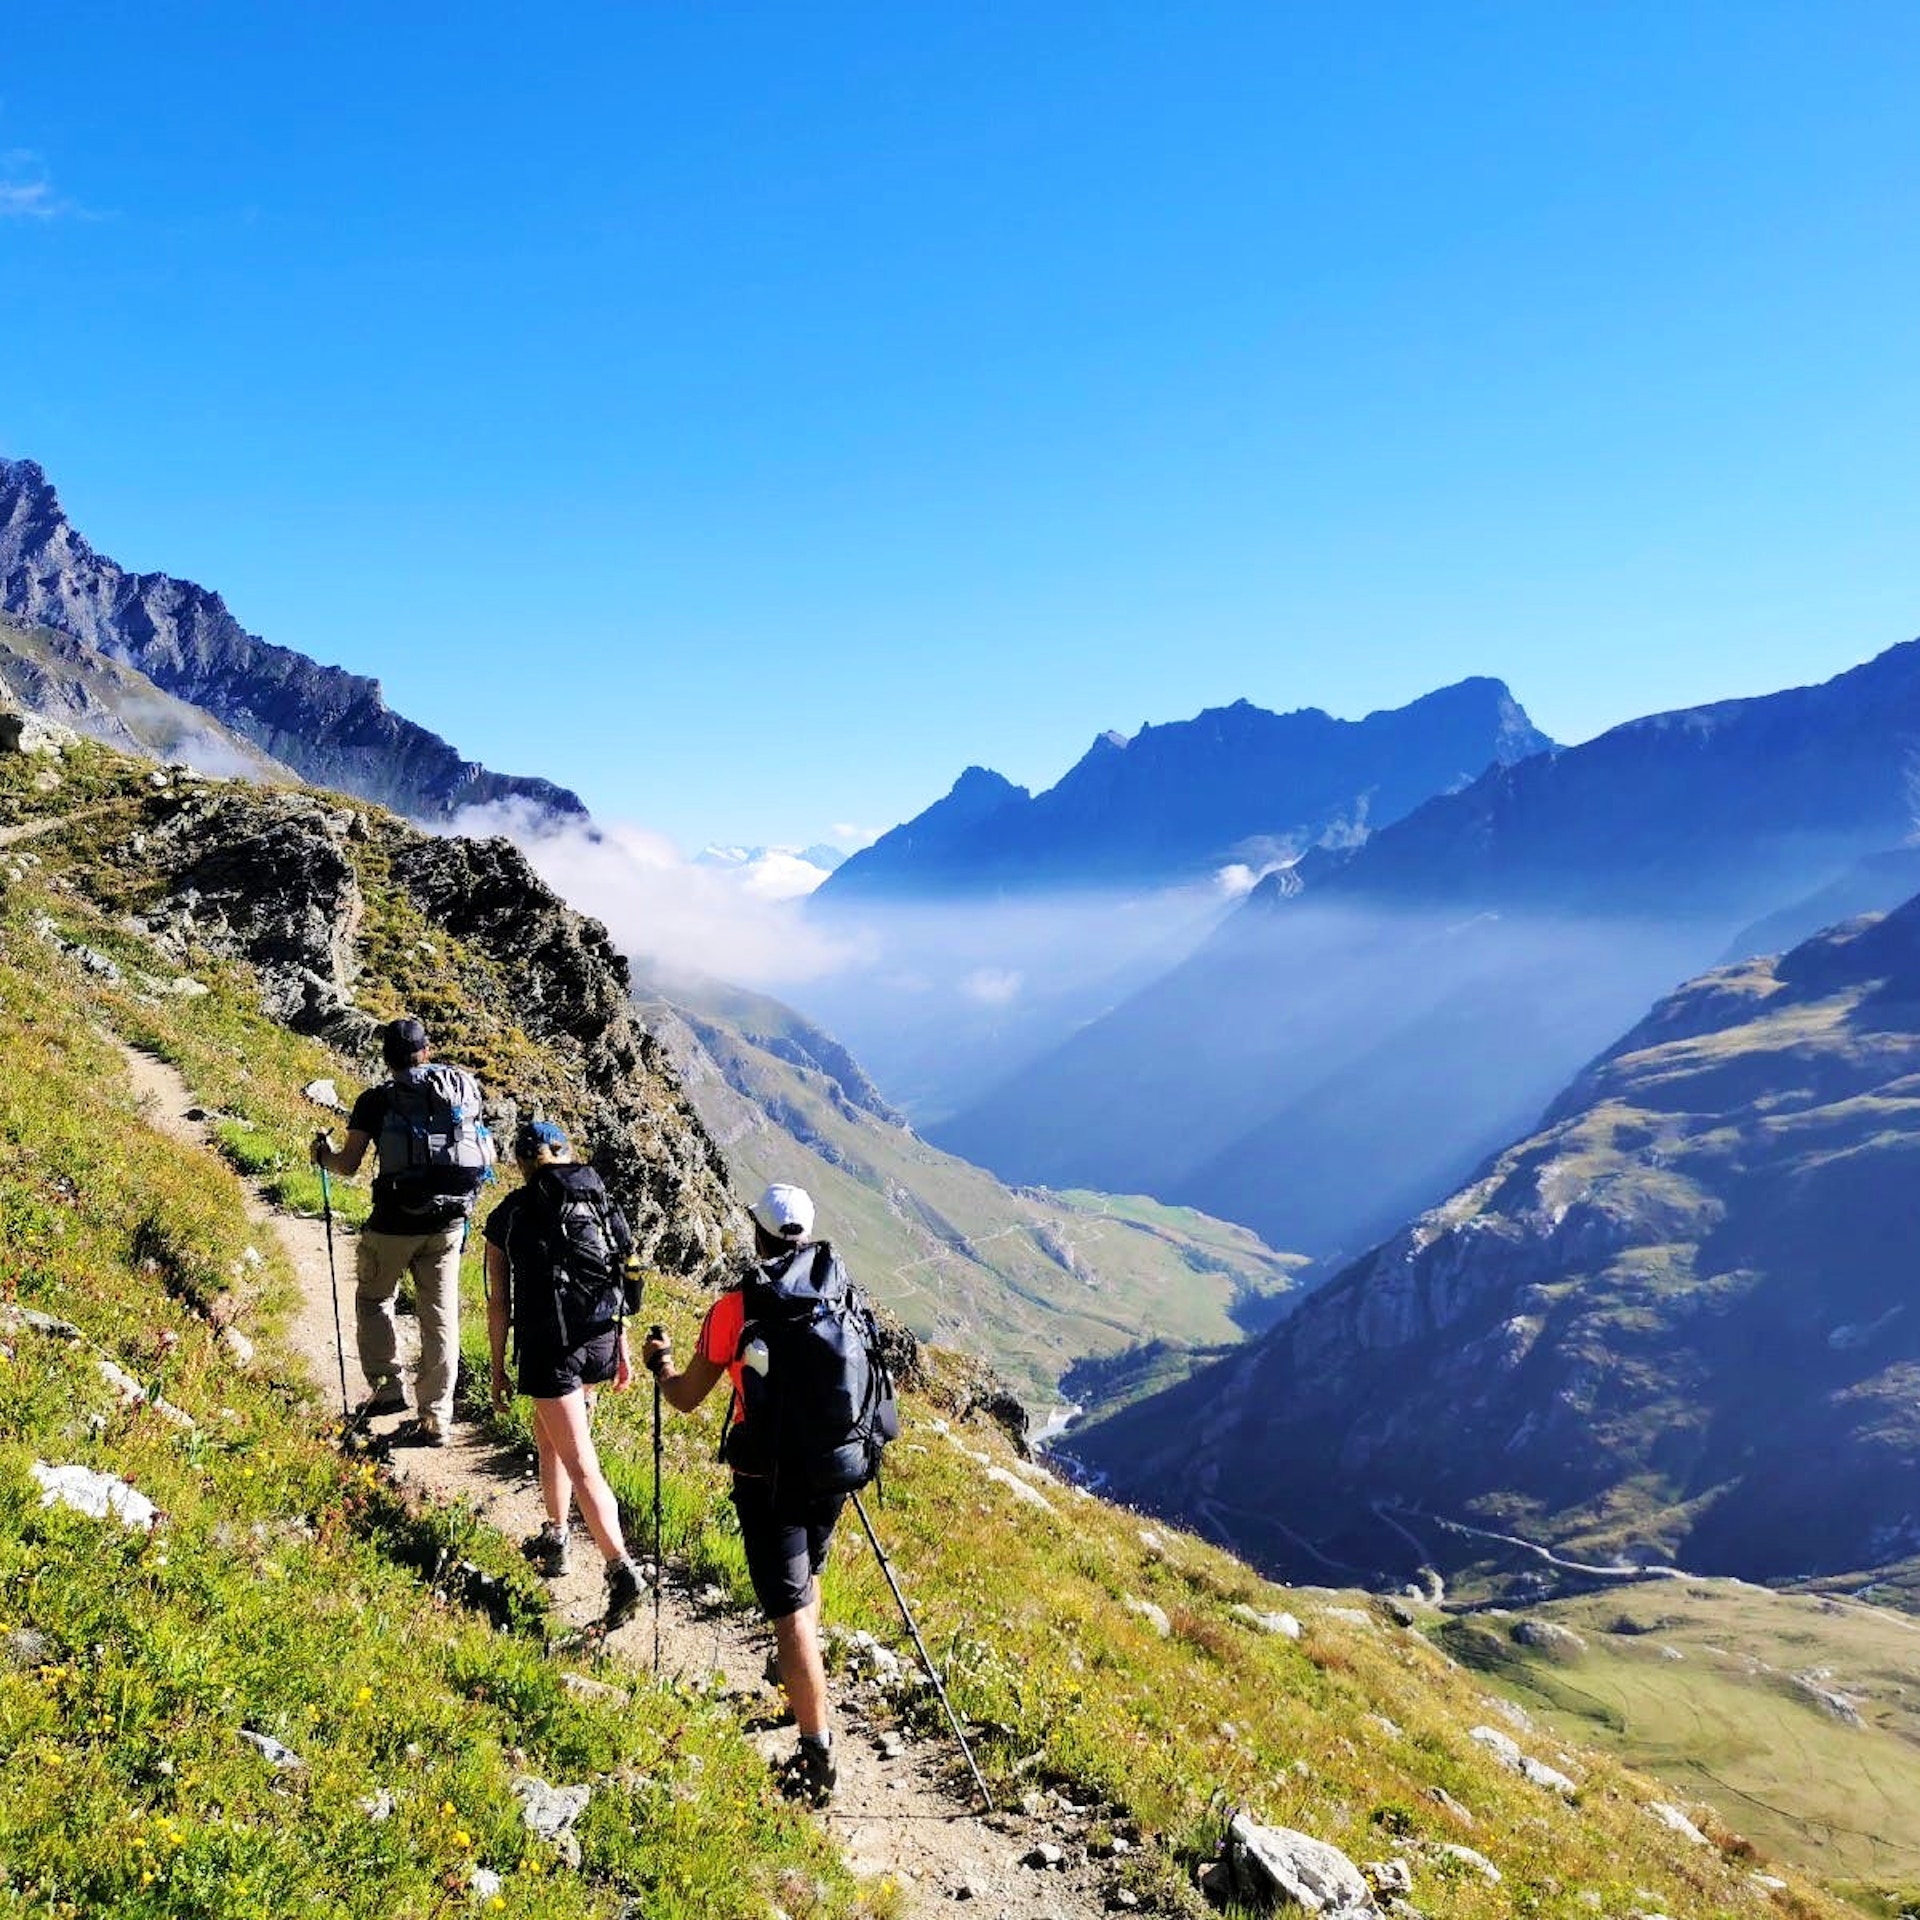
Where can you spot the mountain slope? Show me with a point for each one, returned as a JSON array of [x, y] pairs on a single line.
[[1679, 1323], [1176, 802], [1029, 1280], [60, 678], [1431, 989], [332, 727]]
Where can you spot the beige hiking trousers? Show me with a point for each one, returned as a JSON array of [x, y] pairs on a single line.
[[434, 1261]]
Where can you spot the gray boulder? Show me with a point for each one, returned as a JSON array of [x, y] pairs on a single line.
[[1275, 1867]]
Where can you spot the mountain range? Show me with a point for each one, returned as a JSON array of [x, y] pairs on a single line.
[[1375, 1020], [1676, 1324], [1233, 785], [331, 727]]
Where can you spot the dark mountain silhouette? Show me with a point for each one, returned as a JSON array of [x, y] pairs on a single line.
[[1373, 1023], [1178, 801], [330, 726], [1679, 1322]]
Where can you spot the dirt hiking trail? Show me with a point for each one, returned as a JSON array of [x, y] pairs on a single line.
[[903, 1807]]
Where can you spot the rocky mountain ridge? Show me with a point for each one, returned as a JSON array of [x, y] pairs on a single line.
[[1676, 1325], [332, 727], [1177, 801]]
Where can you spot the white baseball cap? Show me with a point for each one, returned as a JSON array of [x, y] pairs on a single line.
[[786, 1211]]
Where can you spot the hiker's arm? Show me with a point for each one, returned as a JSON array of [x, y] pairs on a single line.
[[345, 1159], [499, 1278], [682, 1391]]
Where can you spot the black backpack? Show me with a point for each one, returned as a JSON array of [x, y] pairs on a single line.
[[435, 1152], [565, 1250], [816, 1419]]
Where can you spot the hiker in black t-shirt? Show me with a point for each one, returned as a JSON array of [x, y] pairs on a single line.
[[424, 1125], [557, 1249]]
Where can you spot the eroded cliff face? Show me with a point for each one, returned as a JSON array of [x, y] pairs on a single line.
[[349, 916], [332, 727]]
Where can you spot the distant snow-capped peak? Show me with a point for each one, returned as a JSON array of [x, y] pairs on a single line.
[[773, 873]]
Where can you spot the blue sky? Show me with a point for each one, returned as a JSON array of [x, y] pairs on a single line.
[[752, 415]]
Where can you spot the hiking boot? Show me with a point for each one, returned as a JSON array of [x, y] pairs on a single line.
[[623, 1592], [426, 1431], [546, 1551], [389, 1397], [809, 1774]]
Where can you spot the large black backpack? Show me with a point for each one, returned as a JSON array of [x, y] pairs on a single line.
[[565, 1250], [435, 1153], [817, 1417]]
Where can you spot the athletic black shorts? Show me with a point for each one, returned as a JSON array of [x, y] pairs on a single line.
[[786, 1545], [548, 1372]]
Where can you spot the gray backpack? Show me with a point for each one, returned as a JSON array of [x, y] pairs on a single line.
[[435, 1151]]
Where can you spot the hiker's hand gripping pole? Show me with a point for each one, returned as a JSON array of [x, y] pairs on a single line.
[[920, 1647]]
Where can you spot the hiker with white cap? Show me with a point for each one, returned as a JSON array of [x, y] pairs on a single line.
[[434, 1154], [812, 1406]]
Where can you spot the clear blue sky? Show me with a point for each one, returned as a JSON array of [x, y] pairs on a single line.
[[624, 386]]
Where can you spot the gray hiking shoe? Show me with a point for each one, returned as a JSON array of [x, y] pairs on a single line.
[[623, 1593], [810, 1773], [546, 1551]]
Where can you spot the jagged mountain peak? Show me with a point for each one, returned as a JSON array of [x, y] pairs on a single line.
[[331, 726], [1180, 799]]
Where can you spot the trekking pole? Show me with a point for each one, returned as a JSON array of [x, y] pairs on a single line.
[[339, 1339], [920, 1647], [656, 1332]]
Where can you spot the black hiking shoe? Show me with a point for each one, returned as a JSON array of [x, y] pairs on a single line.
[[389, 1397], [809, 1774], [546, 1551], [623, 1593]]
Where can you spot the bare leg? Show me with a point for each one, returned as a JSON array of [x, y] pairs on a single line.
[[560, 1426], [556, 1484], [802, 1672]]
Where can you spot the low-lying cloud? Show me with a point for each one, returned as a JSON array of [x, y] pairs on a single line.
[[665, 909]]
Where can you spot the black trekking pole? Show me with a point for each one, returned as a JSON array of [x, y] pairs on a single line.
[[656, 1332], [920, 1647], [339, 1339]]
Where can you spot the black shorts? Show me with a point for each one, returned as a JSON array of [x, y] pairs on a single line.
[[786, 1543], [548, 1372]]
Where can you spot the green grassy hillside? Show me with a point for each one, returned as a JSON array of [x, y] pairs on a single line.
[[1030, 1279], [1798, 1711]]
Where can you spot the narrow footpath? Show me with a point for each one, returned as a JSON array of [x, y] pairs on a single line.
[[898, 1810]]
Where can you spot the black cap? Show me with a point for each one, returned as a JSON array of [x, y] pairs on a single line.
[[401, 1041]]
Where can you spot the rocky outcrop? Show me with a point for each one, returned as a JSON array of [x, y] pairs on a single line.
[[291, 883], [332, 727], [572, 990]]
